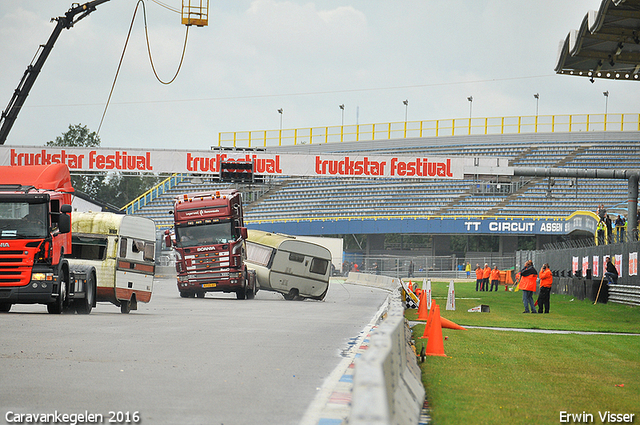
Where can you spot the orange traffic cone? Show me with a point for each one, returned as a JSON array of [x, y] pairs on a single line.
[[425, 334], [423, 311], [446, 323], [435, 345]]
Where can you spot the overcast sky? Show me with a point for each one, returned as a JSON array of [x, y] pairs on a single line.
[[306, 57]]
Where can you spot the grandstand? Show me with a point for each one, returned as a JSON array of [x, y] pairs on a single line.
[[361, 205]]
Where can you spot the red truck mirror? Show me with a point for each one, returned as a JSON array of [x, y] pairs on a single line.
[[243, 232], [167, 238]]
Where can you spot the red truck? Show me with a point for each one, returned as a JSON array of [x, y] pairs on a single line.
[[35, 234], [210, 240]]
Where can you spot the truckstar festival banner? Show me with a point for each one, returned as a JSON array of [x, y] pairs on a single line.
[[208, 162]]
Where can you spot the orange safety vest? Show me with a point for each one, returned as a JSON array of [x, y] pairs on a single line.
[[528, 283], [487, 272], [546, 278], [478, 273], [495, 274]]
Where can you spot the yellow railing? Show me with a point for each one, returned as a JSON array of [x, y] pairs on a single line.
[[154, 193], [432, 128]]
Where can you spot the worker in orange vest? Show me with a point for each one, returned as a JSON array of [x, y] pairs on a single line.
[[528, 278], [478, 277], [486, 274], [495, 278], [546, 279]]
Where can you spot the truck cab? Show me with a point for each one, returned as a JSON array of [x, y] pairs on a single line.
[[209, 238], [35, 226]]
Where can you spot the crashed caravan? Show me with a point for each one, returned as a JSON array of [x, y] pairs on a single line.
[[297, 269]]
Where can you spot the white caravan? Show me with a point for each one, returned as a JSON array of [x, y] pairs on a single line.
[[121, 248], [295, 268]]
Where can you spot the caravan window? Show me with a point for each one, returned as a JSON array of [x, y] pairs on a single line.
[[259, 254], [319, 266], [149, 251], [298, 258], [123, 247], [88, 248]]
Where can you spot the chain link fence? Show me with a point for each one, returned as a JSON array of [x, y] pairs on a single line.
[[434, 267]]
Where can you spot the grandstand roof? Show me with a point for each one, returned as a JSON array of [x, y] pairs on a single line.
[[607, 45]]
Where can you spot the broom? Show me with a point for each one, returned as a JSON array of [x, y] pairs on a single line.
[[601, 280]]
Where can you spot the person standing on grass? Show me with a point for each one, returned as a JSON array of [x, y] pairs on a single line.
[[468, 269], [528, 276], [478, 277], [495, 278], [546, 279], [486, 275]]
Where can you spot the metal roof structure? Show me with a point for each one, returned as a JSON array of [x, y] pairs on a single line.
[[607, 45]]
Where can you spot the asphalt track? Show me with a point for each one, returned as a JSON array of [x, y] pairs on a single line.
[[209, 361]]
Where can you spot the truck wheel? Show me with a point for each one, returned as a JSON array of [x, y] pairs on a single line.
[[84, 305], [125, 306], [200, 294], [241, 294], [57, 306], [251, 293], [185, 294], [5, 307]]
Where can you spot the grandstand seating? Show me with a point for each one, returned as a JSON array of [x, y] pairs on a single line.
[[359, 198]]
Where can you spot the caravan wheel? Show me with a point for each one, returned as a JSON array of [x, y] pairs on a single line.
[[125, 307], [292, 295]]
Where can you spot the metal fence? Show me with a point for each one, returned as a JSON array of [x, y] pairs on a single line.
[[432, 128], [438, 267]]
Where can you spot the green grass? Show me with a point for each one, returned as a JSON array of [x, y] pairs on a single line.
[[504, 377]]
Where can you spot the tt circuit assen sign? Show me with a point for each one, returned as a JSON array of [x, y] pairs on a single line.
[[208, 162]]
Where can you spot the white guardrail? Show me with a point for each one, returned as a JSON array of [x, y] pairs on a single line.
[[387, 387]]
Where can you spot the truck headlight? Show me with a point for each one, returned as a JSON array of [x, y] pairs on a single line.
[[42, 276]]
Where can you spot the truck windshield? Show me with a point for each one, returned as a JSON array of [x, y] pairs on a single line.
[[23, 220], [204, 234]]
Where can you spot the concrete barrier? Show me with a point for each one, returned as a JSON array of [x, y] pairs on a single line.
[[376, 281], [387, 385]]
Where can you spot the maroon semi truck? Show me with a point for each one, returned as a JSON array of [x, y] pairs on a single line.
[[209, 238]]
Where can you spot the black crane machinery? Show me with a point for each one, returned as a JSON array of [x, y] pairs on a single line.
[[73, 15]]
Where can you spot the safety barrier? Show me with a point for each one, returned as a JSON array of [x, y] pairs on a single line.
[[387, 387], [432, 128], [625, 294], [376, 281]]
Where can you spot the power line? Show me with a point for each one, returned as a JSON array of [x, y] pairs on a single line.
[[146, 33], [310, 93], [166, 6]]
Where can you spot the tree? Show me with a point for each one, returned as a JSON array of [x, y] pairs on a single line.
[[80, 136]]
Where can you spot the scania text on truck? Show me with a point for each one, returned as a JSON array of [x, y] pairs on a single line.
[[35, 235], [122, 250], [210, 245]]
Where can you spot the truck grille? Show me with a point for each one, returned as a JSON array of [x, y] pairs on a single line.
[[14, 268], [210, 262]]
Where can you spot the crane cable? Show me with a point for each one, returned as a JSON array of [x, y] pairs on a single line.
[[146, 33]]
